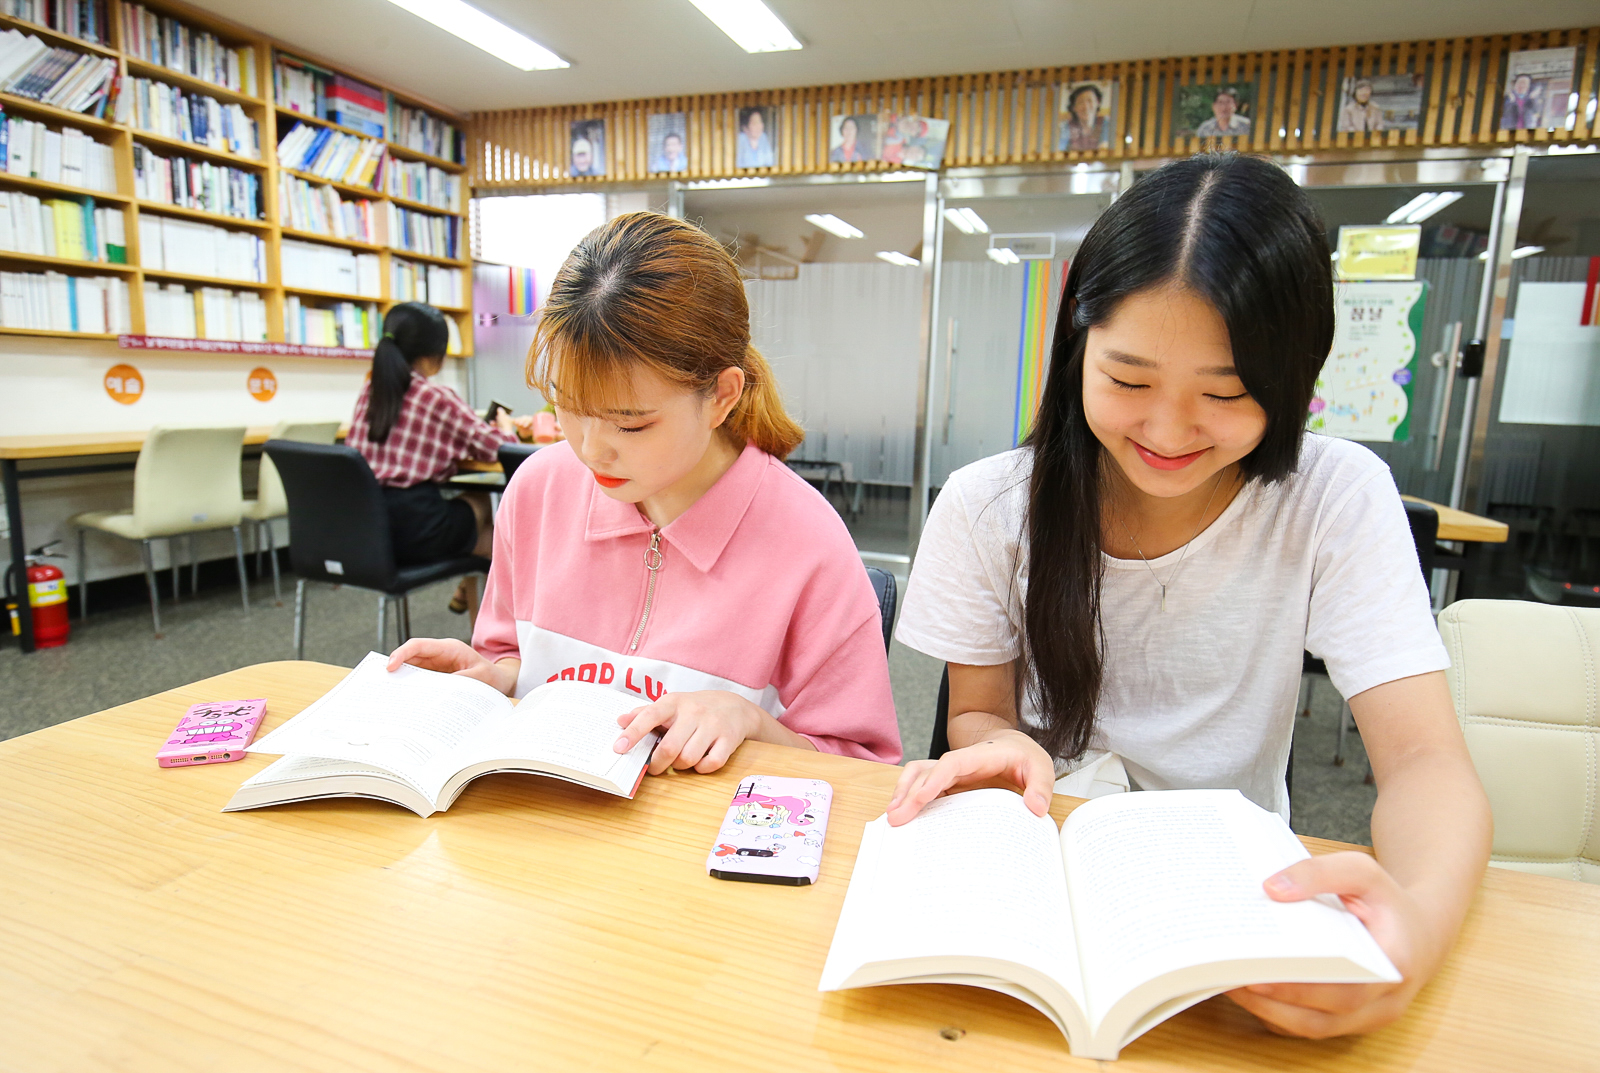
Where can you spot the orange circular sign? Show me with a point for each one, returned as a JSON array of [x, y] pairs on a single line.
[[124, 384], [262, 384]]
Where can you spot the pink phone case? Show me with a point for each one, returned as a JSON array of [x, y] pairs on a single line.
[[214, 733], [773, 831]]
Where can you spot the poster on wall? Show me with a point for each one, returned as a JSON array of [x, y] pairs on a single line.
[[1553, 365], [1085, 116], [668, 135], [1364, 392], [913, 141], [853, 139], [1381, 102], [1538, 85], [1214, 110], [758, 134], [1378, 251], [588, 148]]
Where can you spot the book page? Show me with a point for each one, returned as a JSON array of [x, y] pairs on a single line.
[[570, 724], [402, 721], [977, 875], [1163, 880]]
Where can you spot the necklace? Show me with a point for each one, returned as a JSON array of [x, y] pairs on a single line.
[[1172, 577]]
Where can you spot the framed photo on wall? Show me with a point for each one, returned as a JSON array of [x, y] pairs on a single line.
[[668, 137], [913, 141], [588, 148], [757, 138], [1380, 102], [1086, 115], [1214, 110], [852, 139], [1538, 85]]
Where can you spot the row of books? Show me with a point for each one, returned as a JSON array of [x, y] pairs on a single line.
[[197, 249], [196, 184], [426, 133], [62, 227], [425, 233], [435, 284], [347, 324], [330, 154], [67, 156], [83, 19], [61, 77], [416, 181], [205, 313], [57, 302], [188, 117], [175, 45], [313, 266], [310, 90], [305, 206]]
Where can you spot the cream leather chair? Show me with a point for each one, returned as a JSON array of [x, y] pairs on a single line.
[[1525, 679], [186, 481], [270, 501]]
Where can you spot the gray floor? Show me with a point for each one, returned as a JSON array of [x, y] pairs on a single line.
[[113, 658]]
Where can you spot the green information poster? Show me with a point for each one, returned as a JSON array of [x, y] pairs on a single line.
[[1364, 392]]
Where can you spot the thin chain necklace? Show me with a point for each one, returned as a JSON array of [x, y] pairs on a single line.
[[1172, 577]]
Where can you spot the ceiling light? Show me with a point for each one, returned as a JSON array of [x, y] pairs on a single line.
[[1423, 206], [1517, 254], [491, 35], [750, 23], [835, 226], [1004, 255], [966, 221], [898, 259]]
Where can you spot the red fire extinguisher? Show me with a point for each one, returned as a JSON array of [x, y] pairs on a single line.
[[47, 596]]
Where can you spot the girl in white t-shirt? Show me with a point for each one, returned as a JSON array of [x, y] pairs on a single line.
[[1146, 570]]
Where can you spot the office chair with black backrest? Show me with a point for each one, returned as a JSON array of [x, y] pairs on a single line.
[[339, 533], [512, 455], [884, 586]]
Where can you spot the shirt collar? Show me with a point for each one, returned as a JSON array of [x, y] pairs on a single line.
[[702, 531]]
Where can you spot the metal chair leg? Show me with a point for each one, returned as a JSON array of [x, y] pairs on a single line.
[[1344, 722], [177, 571], [1303, 705], [194, 567], [257, 543], [150, 583], [300, 619], [404, 617], [383, 613], [238, 560], [83, 577], [272, 553]]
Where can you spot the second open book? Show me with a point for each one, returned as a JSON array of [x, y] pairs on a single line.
[[1141, 906], [417, 737]]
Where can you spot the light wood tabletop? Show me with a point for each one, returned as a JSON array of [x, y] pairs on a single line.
[[541, 925], [76, 444], [1460, 525]]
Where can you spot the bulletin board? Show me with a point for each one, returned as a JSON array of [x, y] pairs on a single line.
[[1365, 390]]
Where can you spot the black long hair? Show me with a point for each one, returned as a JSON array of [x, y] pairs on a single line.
[[1239, 233], [411, 331]]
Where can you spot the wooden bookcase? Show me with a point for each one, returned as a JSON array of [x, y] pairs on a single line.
[[272, 121]]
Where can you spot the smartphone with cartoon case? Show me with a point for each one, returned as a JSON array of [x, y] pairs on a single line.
[[773, 831]]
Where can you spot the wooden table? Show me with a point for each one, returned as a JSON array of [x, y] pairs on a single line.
[[1459, 525], [542, 926]]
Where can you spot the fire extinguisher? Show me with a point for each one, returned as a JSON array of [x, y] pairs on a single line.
[[47, 597]]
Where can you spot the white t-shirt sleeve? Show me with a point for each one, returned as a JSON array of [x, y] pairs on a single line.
[[1370, 619], [962, 604]]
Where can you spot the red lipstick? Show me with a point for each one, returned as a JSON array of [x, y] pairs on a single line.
[[610, 482], [1155, 461]]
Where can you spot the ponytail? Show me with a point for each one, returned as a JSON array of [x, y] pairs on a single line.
[[758, 417], [411, 331]]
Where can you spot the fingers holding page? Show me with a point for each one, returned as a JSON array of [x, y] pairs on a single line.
[[435, 654], [1009, 756], [643, 720]]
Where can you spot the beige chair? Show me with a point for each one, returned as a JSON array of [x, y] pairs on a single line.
[[186, 481], [270, 501], [1525, 679]]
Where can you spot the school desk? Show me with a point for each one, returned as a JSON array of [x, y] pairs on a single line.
[[538, 925], [1457, 524]]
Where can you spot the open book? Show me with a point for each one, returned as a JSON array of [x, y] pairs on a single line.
[[417, 737], [1143, 905]]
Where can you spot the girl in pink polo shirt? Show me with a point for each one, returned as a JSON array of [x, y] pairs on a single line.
[[665, 549]]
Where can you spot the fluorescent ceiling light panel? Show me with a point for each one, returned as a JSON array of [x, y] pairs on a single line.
[[750, 23], [1405, 210], [1525, 251], [898, 259], [835, 226], [1423, 206], [489, 34], [1004, 255], [966, 221]]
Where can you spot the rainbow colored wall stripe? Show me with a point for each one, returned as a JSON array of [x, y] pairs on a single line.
[[1031, 352], [524, 298]]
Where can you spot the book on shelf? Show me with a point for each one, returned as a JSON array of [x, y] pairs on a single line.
[[55, 301], [173, 112], [1142, 905], [169, 310], [198, 249], [357, 325], [174, 44], [423, 232], [67, 156], [196, 184], [333, 155], [76, 230], [425, 133], [417, 738], [83, 19], [435, 284], [356, 105], [416, 181], [316, 267], [319, 209], [60, 77], [237, 315]]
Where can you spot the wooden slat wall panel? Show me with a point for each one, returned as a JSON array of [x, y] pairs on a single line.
[[1009, 117]]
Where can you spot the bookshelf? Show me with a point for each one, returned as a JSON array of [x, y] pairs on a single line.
[[273, 119]]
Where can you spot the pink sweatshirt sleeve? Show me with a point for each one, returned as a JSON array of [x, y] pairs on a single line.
[[495, 635], [846, 706]]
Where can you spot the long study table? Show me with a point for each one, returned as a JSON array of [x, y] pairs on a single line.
[[538, 925]]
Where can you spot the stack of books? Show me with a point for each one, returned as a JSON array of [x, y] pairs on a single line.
[[189, 117], [421, 232], [179, 47], [347, 324], [62, 227], [69, 156], [196, 184], [197, 249], [416, 129], [356, 105], [83, 19], [60, 77], [424, 183], [329, 154], [435, 284], [320, 210], [315, 267], [55, 302]]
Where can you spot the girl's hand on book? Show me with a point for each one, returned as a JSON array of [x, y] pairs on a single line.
[[703, 728], [1008, 756], [451, 656], [1396, 920]]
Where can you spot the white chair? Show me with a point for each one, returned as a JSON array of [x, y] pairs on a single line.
[[186, 481], [1525, 679], [270, 501]]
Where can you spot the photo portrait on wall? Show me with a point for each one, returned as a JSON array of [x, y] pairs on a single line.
[[913, 141], [1380, 102], [757, 137], [1214, 110], [852, 138], [1085, 116], [668, 137], [1538, 85], [588, 152]]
